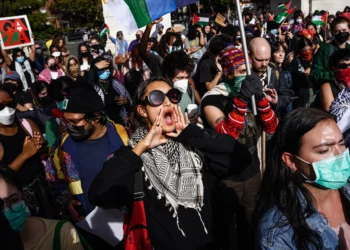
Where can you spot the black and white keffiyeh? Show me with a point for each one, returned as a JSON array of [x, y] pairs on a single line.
[[174, 171]]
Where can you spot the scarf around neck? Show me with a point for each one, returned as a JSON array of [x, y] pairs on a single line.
[[174, 171]]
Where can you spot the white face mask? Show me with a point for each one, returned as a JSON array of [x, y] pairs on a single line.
[[7, 116], [181, 85], [299, 20]]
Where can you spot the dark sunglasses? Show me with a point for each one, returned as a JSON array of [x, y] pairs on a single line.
[[343, 65], [156, 97]]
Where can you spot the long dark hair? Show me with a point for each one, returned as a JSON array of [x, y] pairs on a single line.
[[192, 32], [36, 89], [137, 120], [80, 58], [303, 42], [281, 187]]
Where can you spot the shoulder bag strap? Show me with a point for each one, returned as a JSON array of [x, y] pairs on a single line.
[[57, 235]]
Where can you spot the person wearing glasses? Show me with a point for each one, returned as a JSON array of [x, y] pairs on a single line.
[[90, 139], [179, 163], [34, 233], [321, 69]]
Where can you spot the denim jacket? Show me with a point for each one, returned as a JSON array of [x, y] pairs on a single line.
[[270, 233]]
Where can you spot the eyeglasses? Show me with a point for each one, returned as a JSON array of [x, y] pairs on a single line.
[[343, 66], [156, 97]]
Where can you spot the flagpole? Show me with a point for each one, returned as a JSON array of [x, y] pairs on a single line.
[[245, 50]]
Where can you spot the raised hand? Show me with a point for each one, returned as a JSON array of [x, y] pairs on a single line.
[[181, 122], [271, 95]]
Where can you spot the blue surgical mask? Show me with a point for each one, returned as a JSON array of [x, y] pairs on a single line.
[[20, 59], [103, 75], [331, 173], [273, 32], [17, 215]]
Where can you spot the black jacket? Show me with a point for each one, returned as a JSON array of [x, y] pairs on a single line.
[[113, 188], [277, 81]]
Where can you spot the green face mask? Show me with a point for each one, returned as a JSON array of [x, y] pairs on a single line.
[[233, 86], [17, 215], [331, 173]]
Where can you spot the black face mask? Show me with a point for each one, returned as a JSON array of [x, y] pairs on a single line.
[[96, 46], [45, 100], [138, 37], [84, 54], [341, 37], [53, 67], [78, 133], [10, 86]]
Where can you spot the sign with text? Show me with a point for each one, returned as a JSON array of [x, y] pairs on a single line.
[[220, 19], [15, 32]]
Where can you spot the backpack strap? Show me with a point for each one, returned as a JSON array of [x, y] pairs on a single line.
[[122, 132], [138, 186], [27, 127], [57, 235]]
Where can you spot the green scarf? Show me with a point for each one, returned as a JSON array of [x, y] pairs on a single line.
[[233, 86]]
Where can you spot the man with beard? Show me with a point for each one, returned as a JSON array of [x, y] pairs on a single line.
[[139, 35], [91, 138], [274, 86]]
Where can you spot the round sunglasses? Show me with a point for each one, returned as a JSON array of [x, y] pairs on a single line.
[[156, 97]]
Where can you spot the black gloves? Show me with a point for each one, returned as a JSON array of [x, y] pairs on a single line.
[[251, 86]]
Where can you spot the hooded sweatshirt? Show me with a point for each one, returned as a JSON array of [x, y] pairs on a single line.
[[68, 73], [156, 34]]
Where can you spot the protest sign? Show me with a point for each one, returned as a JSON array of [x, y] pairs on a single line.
[[15, 32], [220, 19]]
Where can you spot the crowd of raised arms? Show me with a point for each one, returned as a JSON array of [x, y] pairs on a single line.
[[155, 145]]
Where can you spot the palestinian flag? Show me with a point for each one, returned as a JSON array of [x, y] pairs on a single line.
[[319, 20], [104, 31], [201, 19], [134, 14], [284, 6], [282, 16]]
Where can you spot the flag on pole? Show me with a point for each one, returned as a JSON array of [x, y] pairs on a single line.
[[319, 20], [285, 6], [282, 16], [132, 14], [201, 19], [104, 31]]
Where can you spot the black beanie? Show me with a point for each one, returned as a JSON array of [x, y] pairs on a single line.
[[83, 99]]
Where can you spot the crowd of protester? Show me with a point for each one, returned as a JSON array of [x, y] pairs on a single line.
[[170, 115]]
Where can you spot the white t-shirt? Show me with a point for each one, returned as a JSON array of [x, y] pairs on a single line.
[[54, 75]]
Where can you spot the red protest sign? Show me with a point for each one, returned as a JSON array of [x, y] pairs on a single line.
[[15, 32]]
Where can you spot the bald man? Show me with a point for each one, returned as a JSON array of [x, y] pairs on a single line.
[[138, 35], [273, 82]]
